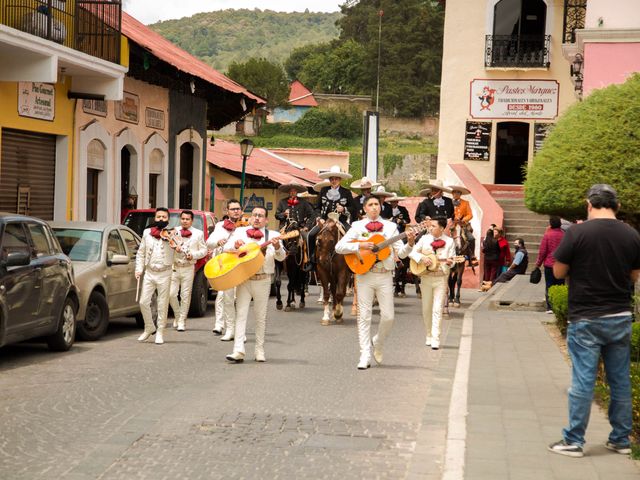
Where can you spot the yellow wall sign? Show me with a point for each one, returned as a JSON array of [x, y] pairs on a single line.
[[37, 100]]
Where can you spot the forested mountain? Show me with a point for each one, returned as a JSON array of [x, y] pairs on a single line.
[[222, 37]]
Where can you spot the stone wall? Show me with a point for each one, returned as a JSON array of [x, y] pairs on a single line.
[[412, 174], [424, 127]]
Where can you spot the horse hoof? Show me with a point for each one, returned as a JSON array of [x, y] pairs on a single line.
[[456, 304], [279, 305], [288, 308], [324, 322], [301, 306], [339, 321]]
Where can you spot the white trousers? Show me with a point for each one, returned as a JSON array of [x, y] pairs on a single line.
[[380, 286], [225, 310], [434, 292], [182, 283], [259, 291], [152, 281]]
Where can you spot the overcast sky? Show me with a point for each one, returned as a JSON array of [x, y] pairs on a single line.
[[150, 11]]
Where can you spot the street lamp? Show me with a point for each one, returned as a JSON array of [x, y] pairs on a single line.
[[246, 147]]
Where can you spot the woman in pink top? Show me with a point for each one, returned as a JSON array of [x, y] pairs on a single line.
[[548, 245]]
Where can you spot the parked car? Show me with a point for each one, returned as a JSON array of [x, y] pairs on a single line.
[[104, 258], [38, 296], [140, 219]]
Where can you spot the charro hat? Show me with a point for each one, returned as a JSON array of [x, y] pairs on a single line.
[[364, 182], [395, 198], [436, 184], [459, 188], [381, 192], [334, 171], [306, 195], [320, 185], [285, 187]]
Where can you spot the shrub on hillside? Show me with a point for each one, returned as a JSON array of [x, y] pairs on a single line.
[[330, 122], [595, 141], [559, 299]]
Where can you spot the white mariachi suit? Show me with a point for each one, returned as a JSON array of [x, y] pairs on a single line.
[[225, 307], [183, 273], [154, 259], [256, 288], [378, 283], [433, 284]]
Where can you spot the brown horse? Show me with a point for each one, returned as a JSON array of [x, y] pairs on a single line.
[[463, 247], [332, 271]]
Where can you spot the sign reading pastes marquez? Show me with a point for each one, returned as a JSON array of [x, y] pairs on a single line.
[[514, 99]]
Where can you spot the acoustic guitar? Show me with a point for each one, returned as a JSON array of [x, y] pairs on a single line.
[[229, 269], [421, 269], [362, 261]]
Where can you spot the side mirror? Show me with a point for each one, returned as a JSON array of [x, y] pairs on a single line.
[[19, 258], [116, 259]]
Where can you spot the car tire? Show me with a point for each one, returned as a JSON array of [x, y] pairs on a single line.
[[96, 318], [199, 295], [63, 338]]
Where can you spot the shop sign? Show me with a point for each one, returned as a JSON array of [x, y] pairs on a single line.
[[128, 108], [477, 141], [37, 100], [253, 202], [514, 99], [540, 130], [95, 107], [154, 118]]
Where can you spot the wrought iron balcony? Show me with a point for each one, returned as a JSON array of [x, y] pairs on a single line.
[[89, 26], [517, 51], [575, 12]]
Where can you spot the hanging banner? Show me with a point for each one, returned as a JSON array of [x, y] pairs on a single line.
[[370, 145], [514, 99], [477, 141]]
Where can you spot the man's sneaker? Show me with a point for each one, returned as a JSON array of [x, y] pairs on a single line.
[[564, 448], [621, 449]]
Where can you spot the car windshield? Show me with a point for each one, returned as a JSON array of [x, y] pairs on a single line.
[[138, 221], [80, 245]]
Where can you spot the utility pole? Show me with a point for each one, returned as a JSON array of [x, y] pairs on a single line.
[[380, 14]]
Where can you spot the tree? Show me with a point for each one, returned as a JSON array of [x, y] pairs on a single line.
[[293, 64], [595, 141], [263, 78]]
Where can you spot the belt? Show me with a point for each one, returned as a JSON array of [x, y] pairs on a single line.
[[260, 276], [434, 274], [188, 265], [379, 269], [157, 270]]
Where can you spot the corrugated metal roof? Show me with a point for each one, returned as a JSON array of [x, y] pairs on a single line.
[[174, 55], [261, 163], [301, 96]]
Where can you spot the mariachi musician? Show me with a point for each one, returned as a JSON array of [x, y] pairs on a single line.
[[462, 216], [385, 208], [364, 185], [294, 208], [399, 216]]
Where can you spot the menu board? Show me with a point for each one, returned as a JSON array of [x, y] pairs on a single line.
[[477, 141]]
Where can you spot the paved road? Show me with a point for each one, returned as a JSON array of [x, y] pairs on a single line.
[[117, 409]]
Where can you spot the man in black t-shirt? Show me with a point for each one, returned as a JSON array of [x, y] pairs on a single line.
[[601, 258]]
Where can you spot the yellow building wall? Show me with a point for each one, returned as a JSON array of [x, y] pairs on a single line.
[[62, 123], [466, 24]]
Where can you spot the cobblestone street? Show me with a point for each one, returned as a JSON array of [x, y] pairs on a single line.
[[119, 409]]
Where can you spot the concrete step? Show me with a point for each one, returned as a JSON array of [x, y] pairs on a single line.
[[535, 229], [529, 238]]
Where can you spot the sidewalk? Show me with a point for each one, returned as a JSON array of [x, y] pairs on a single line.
[[508, 400]]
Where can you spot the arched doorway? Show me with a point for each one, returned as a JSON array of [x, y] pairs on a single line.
[[156, 182], [128, 179], [96, 160], [186, 176], [512, 152]]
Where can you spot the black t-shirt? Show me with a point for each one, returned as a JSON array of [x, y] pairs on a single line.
[[601, 254]]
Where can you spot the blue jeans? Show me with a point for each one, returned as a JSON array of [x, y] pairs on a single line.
[[587, 340]]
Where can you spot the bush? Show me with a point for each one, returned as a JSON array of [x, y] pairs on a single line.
[[559, 299], [330, 122], [635, 342], [391, 161], [595, 141]]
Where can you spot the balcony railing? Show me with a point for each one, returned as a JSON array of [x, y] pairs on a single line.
[[517, 51], [89, 26], [575, 12]]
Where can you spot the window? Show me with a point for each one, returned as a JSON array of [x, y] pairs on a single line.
[[153, 190], [39, 238], [92, 194], [131, 241], [14, 239], [114, 244], [80, 245]]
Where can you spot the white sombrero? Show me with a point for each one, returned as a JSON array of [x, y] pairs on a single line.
[[364, 182], [459, 188], [431, 185], [285, 187], [381, 192], [306, 195], [396, 198], [334, 171], [320, 185]]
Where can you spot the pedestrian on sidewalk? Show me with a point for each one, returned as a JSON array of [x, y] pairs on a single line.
[[519, 265], [504, 259], [601, 257], [491, 252], [550, 241]]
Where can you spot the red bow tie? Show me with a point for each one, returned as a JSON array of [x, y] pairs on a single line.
[[292, 202], [374, 226], [228, 225], [255, 233], [436, 244], [155, 232], [185, 232]]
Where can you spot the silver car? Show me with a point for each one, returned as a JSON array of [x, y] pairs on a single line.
[[103, 257]]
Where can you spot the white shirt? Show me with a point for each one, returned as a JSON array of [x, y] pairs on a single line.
[[153, 252], [423, 247], [219, 233], [358, 231], [270, 255], [194, 245]]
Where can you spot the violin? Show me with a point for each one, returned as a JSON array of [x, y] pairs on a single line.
[[243, 221], [172, 235]]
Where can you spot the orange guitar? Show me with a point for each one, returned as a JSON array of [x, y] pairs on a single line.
[[229, 269], [362, 261]]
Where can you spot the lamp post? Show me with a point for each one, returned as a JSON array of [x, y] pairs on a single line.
[[246, 147]]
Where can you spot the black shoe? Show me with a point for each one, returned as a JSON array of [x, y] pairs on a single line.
[[217, 332], [564, 448]]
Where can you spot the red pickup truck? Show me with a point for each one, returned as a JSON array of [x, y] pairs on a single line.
[[139, 219]]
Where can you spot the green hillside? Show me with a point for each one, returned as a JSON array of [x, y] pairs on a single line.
[[222, 37]]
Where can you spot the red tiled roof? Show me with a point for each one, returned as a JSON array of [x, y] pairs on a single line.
[[301, 96], [262, 164], [172, 54]]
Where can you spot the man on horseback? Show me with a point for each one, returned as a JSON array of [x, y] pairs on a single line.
[[435, 205], [462, 216], [399, 216], [377, 282], [335, 201], [364, 185], [293, 208]]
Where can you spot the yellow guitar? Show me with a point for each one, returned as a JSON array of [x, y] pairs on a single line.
[[230, 269], [420, 268]]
